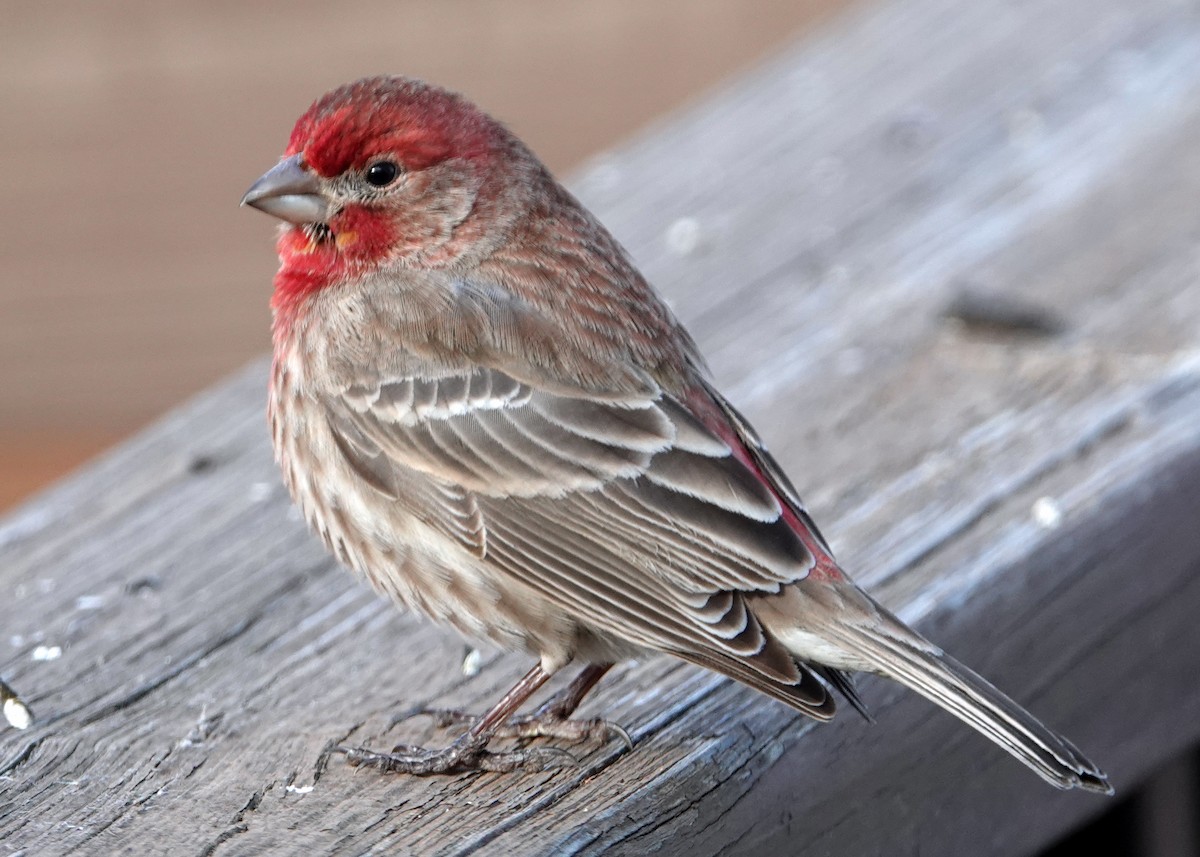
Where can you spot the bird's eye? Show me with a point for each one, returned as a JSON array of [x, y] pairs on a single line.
[[381, 174]]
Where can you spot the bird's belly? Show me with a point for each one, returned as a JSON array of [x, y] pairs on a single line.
[[403, 557]]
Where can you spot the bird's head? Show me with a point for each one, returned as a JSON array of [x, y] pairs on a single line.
[[383, 171]]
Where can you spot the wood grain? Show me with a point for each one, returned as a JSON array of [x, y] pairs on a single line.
[[1028, 498]]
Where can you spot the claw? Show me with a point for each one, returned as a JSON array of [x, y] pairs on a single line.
[[622, 733], [544, 723], [460, 757], [469, 753], [569, 760]]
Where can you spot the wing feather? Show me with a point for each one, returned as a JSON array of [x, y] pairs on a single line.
[[629, 513]]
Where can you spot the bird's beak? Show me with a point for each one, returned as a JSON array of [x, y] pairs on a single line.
[[289, 191]]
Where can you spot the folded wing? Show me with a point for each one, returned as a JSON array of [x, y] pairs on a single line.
[[627, 513]]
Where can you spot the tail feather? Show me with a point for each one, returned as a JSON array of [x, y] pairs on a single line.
[[844, 682], [841, 628], [902, 655]]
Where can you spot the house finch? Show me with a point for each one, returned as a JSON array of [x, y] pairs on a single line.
[[483, 408]]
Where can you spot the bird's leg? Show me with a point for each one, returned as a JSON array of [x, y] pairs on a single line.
[[551, 719], [469, 752]]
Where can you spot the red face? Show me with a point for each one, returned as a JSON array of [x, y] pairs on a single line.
[[411, 122], [381, 170]]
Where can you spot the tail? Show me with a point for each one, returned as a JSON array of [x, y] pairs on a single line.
[[969, 696], [887, 646]]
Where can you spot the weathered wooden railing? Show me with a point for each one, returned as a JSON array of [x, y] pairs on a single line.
[[945, 256]]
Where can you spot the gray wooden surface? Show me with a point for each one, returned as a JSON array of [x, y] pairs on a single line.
[[1029, 498]]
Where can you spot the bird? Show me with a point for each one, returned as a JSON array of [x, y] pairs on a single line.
[[485, 410]]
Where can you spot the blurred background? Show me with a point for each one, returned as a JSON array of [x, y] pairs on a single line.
[[131, 279]]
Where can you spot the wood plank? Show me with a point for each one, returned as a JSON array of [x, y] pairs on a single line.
[[1028, 501]]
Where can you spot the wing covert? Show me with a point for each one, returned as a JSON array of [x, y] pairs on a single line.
[[629, 513]]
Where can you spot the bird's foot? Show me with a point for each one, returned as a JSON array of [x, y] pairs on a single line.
[[466, 755], [546, 722]]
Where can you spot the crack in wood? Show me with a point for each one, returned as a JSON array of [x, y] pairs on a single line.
[[223, 837], [150, 686], [23, 755]]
